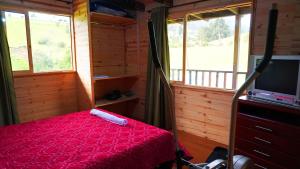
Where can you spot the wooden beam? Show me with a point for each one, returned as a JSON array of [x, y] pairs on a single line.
[[234, 10], [168, 3], [184, 49], [236, 51], [198, 16]]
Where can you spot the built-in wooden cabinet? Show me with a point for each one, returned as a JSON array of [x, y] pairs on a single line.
[[269, 134], [100, 42]]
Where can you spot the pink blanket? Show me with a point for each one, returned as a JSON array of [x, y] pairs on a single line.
[[80, 140]]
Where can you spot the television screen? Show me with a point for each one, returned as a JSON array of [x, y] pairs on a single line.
[[280, 76]]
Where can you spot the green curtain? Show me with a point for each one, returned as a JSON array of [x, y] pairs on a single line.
[[8, 108], [157, 111]]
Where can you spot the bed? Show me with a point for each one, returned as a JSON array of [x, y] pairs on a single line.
[[80, 140]]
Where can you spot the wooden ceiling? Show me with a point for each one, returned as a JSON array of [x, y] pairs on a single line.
[[151, 1], [68, 1], [142, 1]]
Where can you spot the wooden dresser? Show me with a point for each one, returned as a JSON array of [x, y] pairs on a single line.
[[269, 134]]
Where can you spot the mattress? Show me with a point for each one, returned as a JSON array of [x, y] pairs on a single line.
[[80, 140]]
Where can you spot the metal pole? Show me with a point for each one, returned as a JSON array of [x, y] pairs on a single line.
[[260, 68]]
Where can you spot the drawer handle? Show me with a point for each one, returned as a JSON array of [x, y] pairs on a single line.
[[262, 140], [259, 166], [263, 128], [261, 153]]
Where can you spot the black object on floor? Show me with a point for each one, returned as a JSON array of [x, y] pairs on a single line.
[[217, 153]]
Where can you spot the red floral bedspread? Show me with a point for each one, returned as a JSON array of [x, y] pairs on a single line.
[[80, 140]]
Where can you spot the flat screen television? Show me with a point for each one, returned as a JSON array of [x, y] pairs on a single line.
[[280, 82]]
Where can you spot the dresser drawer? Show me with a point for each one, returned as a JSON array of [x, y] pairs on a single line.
[[259, 163], [269, 140], [268, 154], [268, 126]]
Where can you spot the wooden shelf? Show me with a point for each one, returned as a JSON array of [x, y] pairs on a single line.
[[111, 19], [115, 77], [104, 102]]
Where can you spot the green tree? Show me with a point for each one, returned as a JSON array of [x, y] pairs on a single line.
[[216, 29]]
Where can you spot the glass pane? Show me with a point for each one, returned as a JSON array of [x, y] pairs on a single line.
[[244, 42], [228, 81], [240, 80], [210, 47], [175, 37], [51, 42], [17, 40]]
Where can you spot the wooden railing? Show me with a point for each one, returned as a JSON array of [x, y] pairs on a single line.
[[205, 77]]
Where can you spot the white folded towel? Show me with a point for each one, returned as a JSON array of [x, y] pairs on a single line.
[[109, 117]]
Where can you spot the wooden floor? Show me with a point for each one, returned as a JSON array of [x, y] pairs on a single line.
[[199, 148]]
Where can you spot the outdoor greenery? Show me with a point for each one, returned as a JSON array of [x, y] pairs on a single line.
[[210, 44], [217, 29], [16, 34], [50, 41]]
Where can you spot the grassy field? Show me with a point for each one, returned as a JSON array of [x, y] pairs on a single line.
[[50, 42], [213, 57]]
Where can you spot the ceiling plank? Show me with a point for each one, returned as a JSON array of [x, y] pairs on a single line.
[[168, 3]]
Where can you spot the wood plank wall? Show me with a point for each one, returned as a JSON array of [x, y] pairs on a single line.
[[203, 113], [83, 50], [43, 96], [132, 49], [287, 36], [192, 6], [108, 43], [39, 5], [137, 59]]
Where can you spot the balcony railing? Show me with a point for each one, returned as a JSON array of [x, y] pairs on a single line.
[[209, 78]]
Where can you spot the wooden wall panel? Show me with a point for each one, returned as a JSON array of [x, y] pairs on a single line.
[[287, 35], [132, 46], [82, 52], [108, 50], [204, 113], [137, 59], [44, 96], [195, 6], [39, 5]]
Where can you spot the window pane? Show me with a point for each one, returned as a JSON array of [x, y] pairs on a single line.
[[240, 80], [51, 42], [17, 40], [244, 42], [175, 37], [243, 48], [210, 46]]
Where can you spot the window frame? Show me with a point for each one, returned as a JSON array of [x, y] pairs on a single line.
[[31, 72], [235, 71]]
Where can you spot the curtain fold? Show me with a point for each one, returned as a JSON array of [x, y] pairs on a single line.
[[8, 108], [157, 111]]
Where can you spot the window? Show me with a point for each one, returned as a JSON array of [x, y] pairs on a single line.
[[39, 42], [175, 34], [17, 40], [216, 50], [243, 48]]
